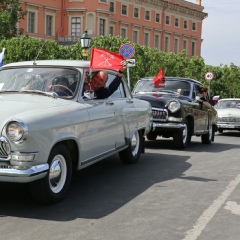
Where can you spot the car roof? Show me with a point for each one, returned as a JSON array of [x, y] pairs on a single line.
[[173, 78], [68, 63], [228, 99]]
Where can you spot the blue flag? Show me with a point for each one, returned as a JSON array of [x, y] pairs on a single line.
[[2, 57]]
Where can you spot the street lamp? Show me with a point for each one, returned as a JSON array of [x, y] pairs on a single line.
[[85, 41]]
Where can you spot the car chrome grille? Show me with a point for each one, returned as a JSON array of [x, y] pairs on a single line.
[[228, 119], [4, 148], [4, 166], [159, 114]]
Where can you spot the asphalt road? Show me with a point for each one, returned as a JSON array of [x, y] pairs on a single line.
[[168, 195]]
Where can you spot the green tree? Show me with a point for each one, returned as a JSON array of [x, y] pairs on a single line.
[[10, 13], [226, 80]]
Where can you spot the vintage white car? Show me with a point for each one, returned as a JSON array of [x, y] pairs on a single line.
[[49, 129], [228, 110]]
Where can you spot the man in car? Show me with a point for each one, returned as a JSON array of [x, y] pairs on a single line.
[[201, 98], [98, 82]]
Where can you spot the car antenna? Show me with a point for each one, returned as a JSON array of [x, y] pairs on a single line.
[[34, 63]]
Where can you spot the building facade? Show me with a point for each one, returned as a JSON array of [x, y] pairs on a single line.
[[169, 25]]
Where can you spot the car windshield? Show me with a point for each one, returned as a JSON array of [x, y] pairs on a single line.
[[62, 81], [229, 104], [179, 87]]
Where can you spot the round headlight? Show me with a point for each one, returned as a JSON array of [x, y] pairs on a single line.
[[15, 131], [174, 106]]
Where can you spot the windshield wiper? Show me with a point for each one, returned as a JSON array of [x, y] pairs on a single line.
[[51, 94]]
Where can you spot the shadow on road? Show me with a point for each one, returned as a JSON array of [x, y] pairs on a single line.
[[220, 144], [98, 190]]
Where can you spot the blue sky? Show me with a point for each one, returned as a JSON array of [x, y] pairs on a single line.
[[221, 32]]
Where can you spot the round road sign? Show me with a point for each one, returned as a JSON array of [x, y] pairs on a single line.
[[127, 50], [209, 76]]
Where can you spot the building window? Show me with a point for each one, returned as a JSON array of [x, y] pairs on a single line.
[[146, 39], [157, 18], [49, 25], [111, 6], [102, 24], [156, 41], [111, 30], [176, 22], [193, 48], [135, 37], [166, 44], [31, 22], [124, 10], [76, 26], [167, 20], [185, 24], [123, 33], [136, 13], [147, 15], [176, 46], [104, 1], [185, 44], [194, 26]]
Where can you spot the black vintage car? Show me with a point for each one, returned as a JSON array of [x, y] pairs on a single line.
[[175, 111]]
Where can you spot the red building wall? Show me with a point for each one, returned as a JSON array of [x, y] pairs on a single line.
[[90, 12]]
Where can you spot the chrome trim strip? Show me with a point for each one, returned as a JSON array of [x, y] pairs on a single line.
[[103, 155]]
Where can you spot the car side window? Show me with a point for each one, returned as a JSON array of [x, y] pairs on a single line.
[[196, 91], [120, 92]]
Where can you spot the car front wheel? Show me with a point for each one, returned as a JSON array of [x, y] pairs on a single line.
[[53, 187], [132, 153], [209, 137], [182, 138]]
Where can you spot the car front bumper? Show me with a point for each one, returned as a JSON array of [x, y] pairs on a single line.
[[23, 175], [168, 126], [228, 125]]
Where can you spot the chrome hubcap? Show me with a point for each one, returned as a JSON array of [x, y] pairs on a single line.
[[135, 143], [185, 134], [210, 132], [57, 173]]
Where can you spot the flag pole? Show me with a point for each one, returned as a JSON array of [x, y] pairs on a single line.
[[128, 77]]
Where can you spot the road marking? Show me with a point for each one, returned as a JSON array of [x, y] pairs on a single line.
[[233, 207], [209, 213]]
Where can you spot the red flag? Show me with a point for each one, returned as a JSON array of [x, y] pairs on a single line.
[[105, 59], [159, 80]]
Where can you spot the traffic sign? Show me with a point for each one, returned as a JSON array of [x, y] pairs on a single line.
[[127, 50], [130, 62], [209, 76]]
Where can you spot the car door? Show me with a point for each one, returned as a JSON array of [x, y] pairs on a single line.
[[100, 139], [200, 115], [125, 113], [102, 125]]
